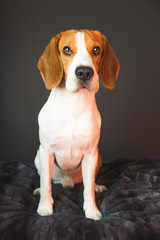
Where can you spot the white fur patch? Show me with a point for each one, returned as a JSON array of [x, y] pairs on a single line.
[[82, 58]]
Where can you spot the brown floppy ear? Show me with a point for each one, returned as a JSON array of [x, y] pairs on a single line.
[[109, 65], [50, 64]]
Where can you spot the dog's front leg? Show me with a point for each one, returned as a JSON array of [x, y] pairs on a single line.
[[46, 161], [89, 164]]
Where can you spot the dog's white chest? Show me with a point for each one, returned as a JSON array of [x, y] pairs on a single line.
[[69, 127]]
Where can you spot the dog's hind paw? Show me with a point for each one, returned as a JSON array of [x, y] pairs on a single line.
[[36, 191], [99, 188], [68, 182]]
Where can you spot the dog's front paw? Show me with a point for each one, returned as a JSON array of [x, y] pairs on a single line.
[[45, 208], [93, 213]]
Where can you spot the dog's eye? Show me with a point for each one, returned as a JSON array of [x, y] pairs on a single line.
[[96, 50], [67, 51]]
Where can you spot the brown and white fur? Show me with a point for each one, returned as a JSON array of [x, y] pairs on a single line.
[[69, 122]]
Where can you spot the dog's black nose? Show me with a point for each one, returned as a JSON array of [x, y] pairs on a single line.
[[84, 73]]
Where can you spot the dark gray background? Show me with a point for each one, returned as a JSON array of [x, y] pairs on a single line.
[[130, 113]]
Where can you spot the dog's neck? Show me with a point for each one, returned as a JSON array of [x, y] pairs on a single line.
[[76, 101], [64, 95]]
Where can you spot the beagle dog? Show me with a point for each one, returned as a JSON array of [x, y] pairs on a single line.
[[69, 122]]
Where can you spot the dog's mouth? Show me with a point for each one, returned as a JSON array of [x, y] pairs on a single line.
[[84, 86]]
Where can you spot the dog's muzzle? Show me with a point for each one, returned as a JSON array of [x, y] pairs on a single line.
[[84, 73]]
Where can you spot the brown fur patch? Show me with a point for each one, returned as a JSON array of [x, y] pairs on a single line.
[[93, 39], [67, 39], [109, 65], [50, 64]]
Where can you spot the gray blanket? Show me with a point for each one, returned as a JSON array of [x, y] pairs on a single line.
[[130, 208]]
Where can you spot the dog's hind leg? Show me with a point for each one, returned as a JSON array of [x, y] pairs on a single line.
[[97, 187], [36, 163]]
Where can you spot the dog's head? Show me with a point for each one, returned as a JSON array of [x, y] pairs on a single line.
[[79, 58]]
